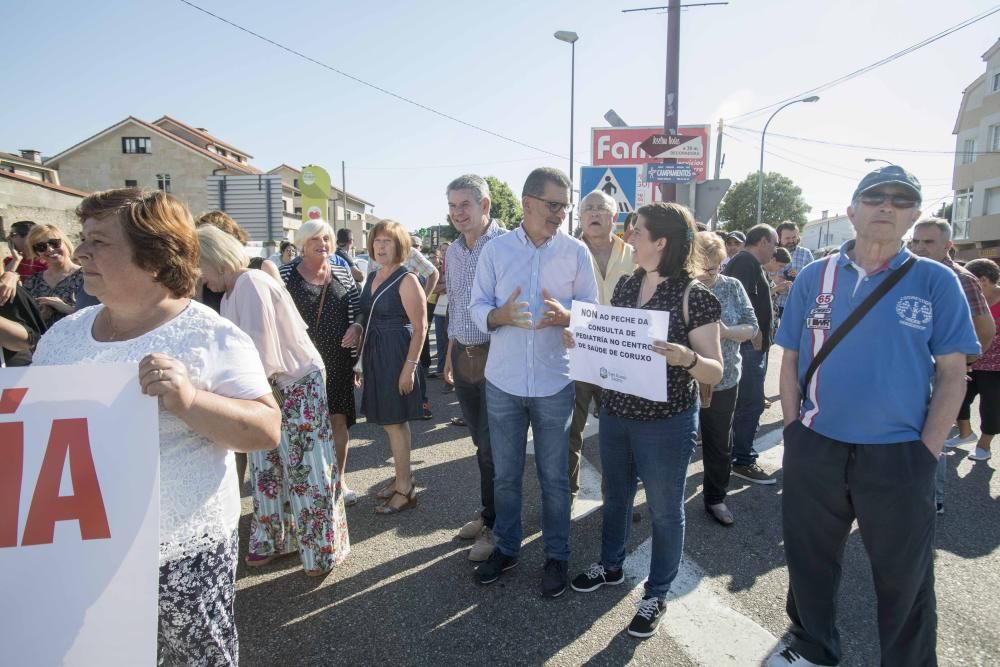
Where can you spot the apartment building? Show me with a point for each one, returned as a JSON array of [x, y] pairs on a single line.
[[165, 154], [976, 176]]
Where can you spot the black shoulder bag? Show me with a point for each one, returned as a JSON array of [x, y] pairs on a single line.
[[854, 318]]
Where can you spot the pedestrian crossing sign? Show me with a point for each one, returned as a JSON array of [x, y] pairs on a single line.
[[618, 182]]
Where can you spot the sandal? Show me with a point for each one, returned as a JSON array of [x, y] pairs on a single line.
[[253, 560], [411, 502], [317, 573], [388, 490]]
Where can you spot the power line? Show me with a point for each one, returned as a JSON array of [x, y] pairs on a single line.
[[370, 85], [788, 159], [836, 144], [864, 70], [444, 166]]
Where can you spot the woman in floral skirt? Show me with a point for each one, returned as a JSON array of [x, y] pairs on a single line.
[[297, 500]]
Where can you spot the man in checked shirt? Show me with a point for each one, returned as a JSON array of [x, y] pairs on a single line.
[[468, 347], [788, 238]]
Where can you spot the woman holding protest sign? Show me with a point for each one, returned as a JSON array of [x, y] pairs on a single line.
[[648, 440], [738, 324], [139, 254], [297, 501]]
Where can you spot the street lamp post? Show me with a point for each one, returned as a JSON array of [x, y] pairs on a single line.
[[760, 171], [878, 159], [570, 38]]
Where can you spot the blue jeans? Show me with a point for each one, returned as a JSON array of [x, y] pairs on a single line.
[[749, 405], [658, 453], [441, 340], [549, 417]]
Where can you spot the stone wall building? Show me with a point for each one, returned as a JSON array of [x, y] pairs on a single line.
[[26, 198]]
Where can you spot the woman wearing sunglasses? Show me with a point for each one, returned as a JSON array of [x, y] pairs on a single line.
[[55, 288]]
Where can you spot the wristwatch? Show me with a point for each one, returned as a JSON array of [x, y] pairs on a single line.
[[694, 362]]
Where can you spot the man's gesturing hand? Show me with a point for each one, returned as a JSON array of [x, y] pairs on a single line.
[[512, 313], [555, 314]]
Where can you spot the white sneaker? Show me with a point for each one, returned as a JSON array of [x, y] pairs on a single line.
[[981, 454], [786, 657], [970, 439]]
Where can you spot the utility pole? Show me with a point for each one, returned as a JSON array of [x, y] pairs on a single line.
[[343, 185], [668, 191], [718, 166]]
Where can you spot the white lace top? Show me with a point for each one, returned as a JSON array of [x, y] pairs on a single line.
[[199, 494]]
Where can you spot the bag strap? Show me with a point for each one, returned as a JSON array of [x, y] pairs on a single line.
[[375, 298], [322, 300], [854, 318], [684, 304]]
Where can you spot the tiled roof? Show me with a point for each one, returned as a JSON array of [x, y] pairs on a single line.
[[43, 184], [208, 137]]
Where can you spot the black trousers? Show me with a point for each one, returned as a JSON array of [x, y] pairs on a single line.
[[584, 393], [717, 444], [889, 489], [472, 400], [986, 385]]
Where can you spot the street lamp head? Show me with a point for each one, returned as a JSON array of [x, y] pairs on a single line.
[[814, 98], [614, 119], [566, 36]]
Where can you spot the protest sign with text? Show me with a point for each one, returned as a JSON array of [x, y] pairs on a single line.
[[614, 349], [79, 516]]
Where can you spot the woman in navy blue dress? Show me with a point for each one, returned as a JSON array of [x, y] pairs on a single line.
[[395, 321]]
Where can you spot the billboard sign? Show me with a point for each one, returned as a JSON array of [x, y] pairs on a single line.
[[622, 146], [667, 173]]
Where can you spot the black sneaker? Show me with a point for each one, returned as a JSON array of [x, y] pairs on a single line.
[[753, 473], [554, 578], [647, 617], [497, 564], [940, 509], [595, 577], [426, 407]]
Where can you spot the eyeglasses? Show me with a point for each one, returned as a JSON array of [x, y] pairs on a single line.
[[40, 247], [554, 206], [879, 198], [590, 208]]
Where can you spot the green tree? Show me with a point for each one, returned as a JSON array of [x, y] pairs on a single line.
[[504, 206], [944, 212], [782, 201]]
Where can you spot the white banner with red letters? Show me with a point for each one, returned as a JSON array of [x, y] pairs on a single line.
[[79, 516]]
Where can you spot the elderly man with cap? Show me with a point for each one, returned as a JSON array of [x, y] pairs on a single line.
[[734, 243], [872, 377]]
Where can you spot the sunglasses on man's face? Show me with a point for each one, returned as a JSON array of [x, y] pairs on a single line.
[[41, 246], [879, 198]]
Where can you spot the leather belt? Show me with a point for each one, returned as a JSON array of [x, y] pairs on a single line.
[[473, 350]]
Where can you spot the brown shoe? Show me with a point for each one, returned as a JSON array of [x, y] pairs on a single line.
[[720, 513], [483, 547], [471, 530]]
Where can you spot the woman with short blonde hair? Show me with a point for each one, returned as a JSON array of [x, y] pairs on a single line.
[[301, 475], [55, 288], [326, 295], [738, 323]]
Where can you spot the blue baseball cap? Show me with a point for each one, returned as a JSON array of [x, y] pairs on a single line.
[[889, 174]]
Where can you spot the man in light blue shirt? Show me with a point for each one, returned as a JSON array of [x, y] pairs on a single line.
[[525, 282]]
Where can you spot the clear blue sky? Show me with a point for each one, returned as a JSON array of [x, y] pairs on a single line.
[[74, 68]]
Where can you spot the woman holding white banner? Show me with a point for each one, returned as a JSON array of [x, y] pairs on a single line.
[[739, 324], [649, 440], [139, 254], [298, 503]]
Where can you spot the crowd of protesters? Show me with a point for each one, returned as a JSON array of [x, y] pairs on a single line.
[[264, 357]]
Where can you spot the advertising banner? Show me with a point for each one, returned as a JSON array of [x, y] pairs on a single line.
[[79, 516]]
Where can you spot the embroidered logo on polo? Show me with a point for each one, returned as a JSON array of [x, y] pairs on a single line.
[[819, 317], [914, 312]]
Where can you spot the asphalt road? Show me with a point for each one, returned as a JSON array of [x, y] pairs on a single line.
[[406, 595]]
